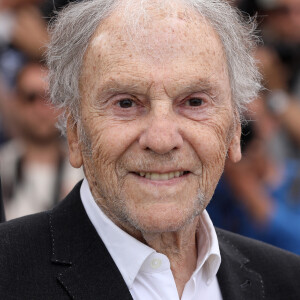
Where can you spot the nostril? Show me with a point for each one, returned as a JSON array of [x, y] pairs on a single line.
[[161, 136]]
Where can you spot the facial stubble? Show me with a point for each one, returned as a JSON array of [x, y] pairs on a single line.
[[114, 203]]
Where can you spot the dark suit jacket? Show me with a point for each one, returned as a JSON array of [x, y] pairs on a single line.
[[59, 255]]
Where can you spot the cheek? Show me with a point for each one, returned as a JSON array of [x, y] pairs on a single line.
[[209, 141], [210, 144], [110, 139]]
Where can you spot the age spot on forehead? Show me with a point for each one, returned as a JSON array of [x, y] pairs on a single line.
[[162, 40], [169, 48]]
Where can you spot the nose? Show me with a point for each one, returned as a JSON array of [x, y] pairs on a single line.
[[162, 134]]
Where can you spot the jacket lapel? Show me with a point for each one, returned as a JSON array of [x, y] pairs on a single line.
[[236, 279], [87, 270]]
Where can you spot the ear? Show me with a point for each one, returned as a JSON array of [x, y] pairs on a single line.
[[234, 150], [75, 155]]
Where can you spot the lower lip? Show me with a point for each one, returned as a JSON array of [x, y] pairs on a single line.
[[170, 182]]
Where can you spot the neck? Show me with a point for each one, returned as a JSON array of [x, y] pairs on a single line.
[[181, 249], [42, 153]]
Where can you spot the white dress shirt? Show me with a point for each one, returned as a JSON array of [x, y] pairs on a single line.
[[146, 272]]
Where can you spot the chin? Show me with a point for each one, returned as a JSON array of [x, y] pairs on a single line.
[[163, 220]]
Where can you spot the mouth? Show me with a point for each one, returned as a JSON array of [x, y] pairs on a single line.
[[161, 176]]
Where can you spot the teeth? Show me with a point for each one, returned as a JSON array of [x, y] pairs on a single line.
[[170, 175], [157, 176]]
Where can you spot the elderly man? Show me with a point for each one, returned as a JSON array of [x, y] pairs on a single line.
[[152, 93]]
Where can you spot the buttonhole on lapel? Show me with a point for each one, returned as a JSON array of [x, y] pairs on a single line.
[[245, 284]]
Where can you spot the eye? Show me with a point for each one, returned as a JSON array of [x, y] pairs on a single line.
[[194, 102], [126, 103]]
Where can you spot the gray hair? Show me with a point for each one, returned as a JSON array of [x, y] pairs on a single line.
[[74, 27]]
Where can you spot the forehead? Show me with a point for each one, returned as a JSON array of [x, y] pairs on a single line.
[[163, 46]]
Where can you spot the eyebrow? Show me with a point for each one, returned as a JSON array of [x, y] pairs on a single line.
[[202, 84], [114, 86]]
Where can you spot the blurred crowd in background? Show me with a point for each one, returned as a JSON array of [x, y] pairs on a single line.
[[258, 197], [34, 166]]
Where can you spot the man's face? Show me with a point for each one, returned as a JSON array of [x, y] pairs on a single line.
[[35, 117], [157, 122], [285, 20]]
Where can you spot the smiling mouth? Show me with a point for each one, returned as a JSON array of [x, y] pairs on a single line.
[[161, 176]]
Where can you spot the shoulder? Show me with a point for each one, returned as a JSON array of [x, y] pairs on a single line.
[[27, 271], [30, 237], [11, 150], [277, 270], [10, 153], [25, 242], [19, 234], [254, 249]]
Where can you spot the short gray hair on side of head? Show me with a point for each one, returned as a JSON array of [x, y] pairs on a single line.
[[70, 33], [75, 25], [238, 36]]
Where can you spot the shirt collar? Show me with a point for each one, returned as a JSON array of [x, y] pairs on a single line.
[[209, 258], [129, 254]]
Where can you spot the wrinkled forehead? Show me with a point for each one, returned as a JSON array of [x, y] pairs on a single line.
[[137, 14], [159, 48], [160, 31]]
